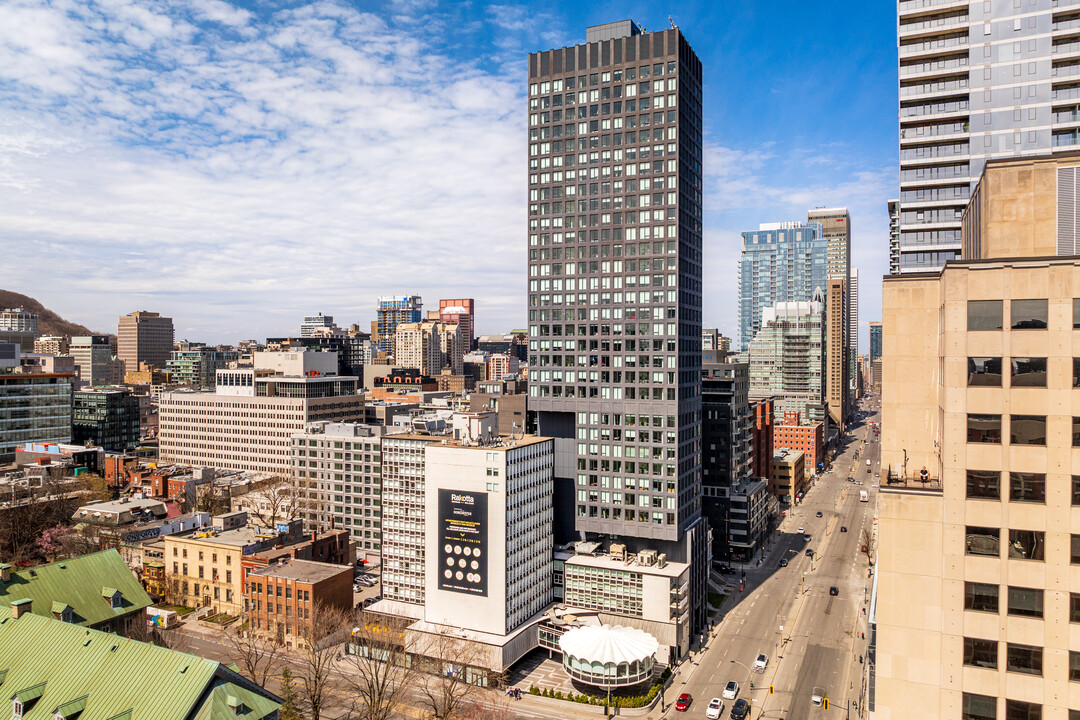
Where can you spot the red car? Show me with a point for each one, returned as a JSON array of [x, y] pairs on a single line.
[[683, 703]]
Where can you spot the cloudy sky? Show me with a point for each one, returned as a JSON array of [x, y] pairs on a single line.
[[239, 165]]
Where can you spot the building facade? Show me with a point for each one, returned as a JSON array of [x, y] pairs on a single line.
[[339, 467], [726, 444], [875, 340], [34, 408], [144, 337], [51, 345], [95, 359], [780, 262], [419, 346], [247, 423], [282, 597], [615, 282], [19, 326], [792, 434], [393, 311], [787, 359], [978, 81], [789, 468], [979, 440], [107, 418], [315, 324], [461, 312], [836, 229]]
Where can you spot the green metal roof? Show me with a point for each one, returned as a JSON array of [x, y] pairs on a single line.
[[116, 678], [81, 583]]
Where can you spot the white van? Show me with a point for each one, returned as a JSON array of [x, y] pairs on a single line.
[[864, 496]]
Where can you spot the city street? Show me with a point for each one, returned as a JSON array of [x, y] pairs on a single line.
[[822, 635]]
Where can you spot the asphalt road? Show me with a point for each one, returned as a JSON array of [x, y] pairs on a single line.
[[822, 634]]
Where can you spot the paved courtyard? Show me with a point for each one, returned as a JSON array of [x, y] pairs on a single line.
[[548, 674]]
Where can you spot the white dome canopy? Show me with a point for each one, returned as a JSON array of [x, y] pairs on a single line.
[[608, 644]]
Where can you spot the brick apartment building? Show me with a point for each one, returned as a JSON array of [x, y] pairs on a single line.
[[793, 435]]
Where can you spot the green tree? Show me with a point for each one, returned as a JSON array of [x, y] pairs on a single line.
[[289, 700]]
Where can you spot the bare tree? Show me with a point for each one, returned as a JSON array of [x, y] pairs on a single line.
[[171, 638], [320, 639], [258, 659], [867, 544], [448, 690], [379, 673], [276, 503]]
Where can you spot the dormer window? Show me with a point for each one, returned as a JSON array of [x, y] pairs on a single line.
[[113, 597], [62, 611], [24, 700]]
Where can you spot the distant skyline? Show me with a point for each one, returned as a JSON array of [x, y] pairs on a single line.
[[239, 166]]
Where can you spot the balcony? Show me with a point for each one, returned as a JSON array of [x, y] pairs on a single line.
[[909, 7], [933, 68], [1063, 25], [1065, 3], [933, 25], [1066, 50], [896, 483], [932, 111], [933, 47]]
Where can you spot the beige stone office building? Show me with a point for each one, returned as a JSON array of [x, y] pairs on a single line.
[[977, 606], [248, 421], [144, 337]]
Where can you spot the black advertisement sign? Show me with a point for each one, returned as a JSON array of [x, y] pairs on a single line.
[[463, 546]]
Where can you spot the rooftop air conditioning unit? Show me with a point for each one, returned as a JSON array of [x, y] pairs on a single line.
[[646, 557], [661, 560], [618, 551]]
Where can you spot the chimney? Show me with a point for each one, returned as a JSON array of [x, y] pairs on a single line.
[[21, 607], [5, 572]]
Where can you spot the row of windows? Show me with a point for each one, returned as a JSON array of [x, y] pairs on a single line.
[[1025, 659], [1023, 371], [1024, 314], [984, 707], [1023, 429], [1023, 544], [1023, 486]]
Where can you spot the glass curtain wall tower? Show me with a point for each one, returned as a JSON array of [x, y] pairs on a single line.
[[615, 278]]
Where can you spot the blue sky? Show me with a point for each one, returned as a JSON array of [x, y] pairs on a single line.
[[237, 166]]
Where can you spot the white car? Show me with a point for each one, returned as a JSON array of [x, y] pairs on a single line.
[[715, 709], [731, 691], [761, 663], [802, 530]]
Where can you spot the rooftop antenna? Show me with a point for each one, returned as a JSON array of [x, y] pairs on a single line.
[[671, 22]]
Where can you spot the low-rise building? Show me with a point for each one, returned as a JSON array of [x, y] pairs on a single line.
[[793, 434], [125, 511], [789, 469], [95, 591], [282, 596]]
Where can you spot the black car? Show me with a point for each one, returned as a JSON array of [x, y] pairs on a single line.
[[783, 562], [834, 590], [810, 552], [843, 528], [740, 709], [819, 513]]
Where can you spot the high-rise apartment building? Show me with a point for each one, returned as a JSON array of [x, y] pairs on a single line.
[[978, 80], [836, 229], [394, 311], [979, 536], [51, 345], [144, 337], [780, 262], [344, 491], [197, 367], [461, 312], [853, 338], [875, 340], [894, 237], [95, 359], [419, 345], [787, 359], [615, 283]]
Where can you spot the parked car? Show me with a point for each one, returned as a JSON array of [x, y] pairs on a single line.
[[731, 691], [683, 703], [761, 663], [715, 709], [783, 562], [806, 538], [843, 528], [819, 513], [834, 590], [801, 530], [740, 710]]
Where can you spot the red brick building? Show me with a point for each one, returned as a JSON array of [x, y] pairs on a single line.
[[761, 441], [796, 436], [282, 597]]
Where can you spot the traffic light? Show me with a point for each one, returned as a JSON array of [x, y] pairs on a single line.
[[826, 703], [772, 690]]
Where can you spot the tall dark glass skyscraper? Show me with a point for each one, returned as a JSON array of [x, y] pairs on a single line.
[[615, 283]]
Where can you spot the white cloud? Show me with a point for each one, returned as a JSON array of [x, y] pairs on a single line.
[[239, 181]]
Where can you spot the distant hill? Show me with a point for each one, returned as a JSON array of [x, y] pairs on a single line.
[[50, 322]]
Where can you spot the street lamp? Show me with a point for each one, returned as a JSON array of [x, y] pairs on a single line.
[[744, 667]]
